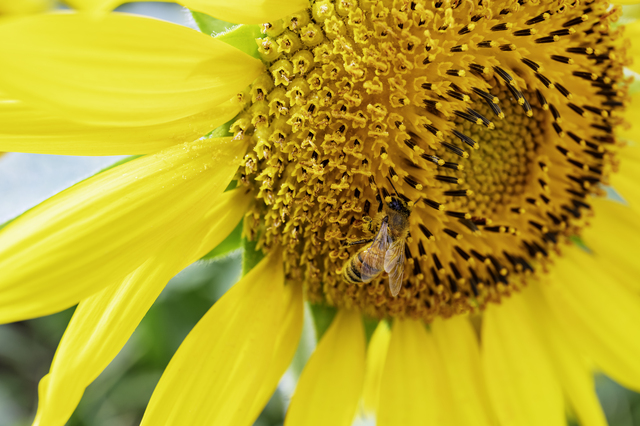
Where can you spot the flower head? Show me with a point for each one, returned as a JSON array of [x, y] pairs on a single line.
[[493, 121], [451, 149]]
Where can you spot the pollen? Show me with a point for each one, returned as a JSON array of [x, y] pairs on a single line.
[[493, 120]]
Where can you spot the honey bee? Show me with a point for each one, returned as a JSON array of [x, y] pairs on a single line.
[[385, 253]]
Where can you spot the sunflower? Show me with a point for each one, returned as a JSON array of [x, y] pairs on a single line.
[[495, 125]]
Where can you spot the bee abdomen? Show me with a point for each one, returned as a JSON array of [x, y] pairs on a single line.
[[351, 270]]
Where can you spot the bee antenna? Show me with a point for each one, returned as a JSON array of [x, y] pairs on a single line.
[[379, 196], [394, 188]]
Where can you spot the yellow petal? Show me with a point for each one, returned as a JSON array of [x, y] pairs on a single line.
[[286, 344], [625, 182], [575, 378], [630, 13], [626, 178], [102, 323], [625, 2], [118, 69], [24, 7], [222, 364], [96, 5], [25, 129], [247, 11], [599, 315], [631, 112], [612, 237], [632, 31], [458, 349], [376, 355], [407, 391], [100, 230], [331, 383], [519, 377], [100, 326]]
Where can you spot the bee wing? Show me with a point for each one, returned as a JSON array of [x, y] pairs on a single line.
[[394, 266], [373, 257]]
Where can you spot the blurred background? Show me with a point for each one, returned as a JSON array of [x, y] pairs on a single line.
[[120, 394]]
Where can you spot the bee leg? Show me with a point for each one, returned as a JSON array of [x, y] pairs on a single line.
[[360, 242], [369, 223]]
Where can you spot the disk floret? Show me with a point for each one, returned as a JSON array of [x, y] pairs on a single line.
[[493, 120]]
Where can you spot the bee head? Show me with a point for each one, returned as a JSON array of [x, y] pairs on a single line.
[[398, 202], [399, 205]]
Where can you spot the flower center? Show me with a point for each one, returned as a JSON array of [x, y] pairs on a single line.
[[422, 158]]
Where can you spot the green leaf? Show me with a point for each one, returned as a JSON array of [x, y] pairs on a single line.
[[577, 240], [210, 25], [250, 256], [222, 131], [232, 185], [322, 317], [232, 243], [243, 37]]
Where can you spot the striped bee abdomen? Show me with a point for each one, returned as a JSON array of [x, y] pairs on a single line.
[[351, 270]]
